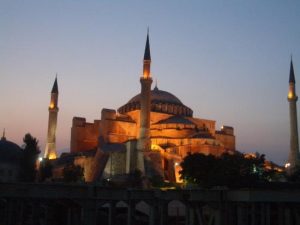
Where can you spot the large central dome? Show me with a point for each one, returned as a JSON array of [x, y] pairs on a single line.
[[161, 101]]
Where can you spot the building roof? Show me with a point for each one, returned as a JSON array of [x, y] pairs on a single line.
[[9, 151], [158, 96], [68, 158], [175, 119], [202, 135], [114, 147], [161, 101]]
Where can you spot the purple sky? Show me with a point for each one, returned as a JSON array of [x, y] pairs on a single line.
[[227, 60]]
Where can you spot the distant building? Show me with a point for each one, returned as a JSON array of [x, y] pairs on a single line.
[[154, 129], [10, 159]]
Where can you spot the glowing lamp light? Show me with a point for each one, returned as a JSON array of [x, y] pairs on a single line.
[[290, 94], [176, 164], [51, 105], [52, 156], [40, 159], [155, 147], [287, 165]]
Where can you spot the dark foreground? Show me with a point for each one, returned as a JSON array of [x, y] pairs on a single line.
[[58, 204]]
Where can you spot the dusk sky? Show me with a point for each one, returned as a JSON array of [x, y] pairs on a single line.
[[227, 60]]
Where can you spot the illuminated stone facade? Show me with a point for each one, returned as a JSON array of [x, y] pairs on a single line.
[[173, 132]]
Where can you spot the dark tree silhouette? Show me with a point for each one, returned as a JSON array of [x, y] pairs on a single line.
[[45, 170], [29, 158], [226, 170], [293, 176], [72, 173]]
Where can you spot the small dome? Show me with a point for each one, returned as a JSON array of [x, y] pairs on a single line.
[[9, 151], [161, 101]]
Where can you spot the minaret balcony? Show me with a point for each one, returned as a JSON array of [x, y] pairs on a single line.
[[292, 98]]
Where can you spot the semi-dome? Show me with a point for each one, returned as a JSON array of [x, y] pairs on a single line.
[[161, 101], [9, 151]]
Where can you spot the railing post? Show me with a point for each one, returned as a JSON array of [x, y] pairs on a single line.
[[111, 213], [268, 214], [163, 212], [131, 213], [189, 214], [153, 215], [89, 213]]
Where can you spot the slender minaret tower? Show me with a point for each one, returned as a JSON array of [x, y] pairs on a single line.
[[50, 151], [144, 142], [294, 144]]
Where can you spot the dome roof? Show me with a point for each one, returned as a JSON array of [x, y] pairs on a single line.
[[9, 151], [176, 119], [161, 101], [158, 96]]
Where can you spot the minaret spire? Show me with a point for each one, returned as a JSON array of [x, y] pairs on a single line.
[[292, 74], [144, 142], [55, 86], [293, 159], [147, 58], [50, 151], [147, 55]]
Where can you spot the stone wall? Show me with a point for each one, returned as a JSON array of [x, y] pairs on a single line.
[[84, 136], [116, 164], [226, 136]]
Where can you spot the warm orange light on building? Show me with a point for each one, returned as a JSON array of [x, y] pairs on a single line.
[[52, 155], [177, 168], [155, 147], [146, 74], [146, 69], [290, 94], [51, 105]]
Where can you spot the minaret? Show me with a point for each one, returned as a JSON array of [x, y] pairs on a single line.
[[294, 144], [144, 142], [50, 151]]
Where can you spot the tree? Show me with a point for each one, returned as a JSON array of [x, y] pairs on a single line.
[[294, 175], [72, 173], [45, 170], [135, 178], [226, 170], [198, 169], [30, 155]]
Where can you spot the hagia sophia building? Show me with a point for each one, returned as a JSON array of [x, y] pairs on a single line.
[[152, 132]]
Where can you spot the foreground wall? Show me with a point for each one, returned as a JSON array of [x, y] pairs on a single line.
[[91, 205]]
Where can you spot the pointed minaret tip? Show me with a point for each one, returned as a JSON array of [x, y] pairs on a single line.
[[155, 88], [292, 74], [3, 135], [147, 55], [55, 86]]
